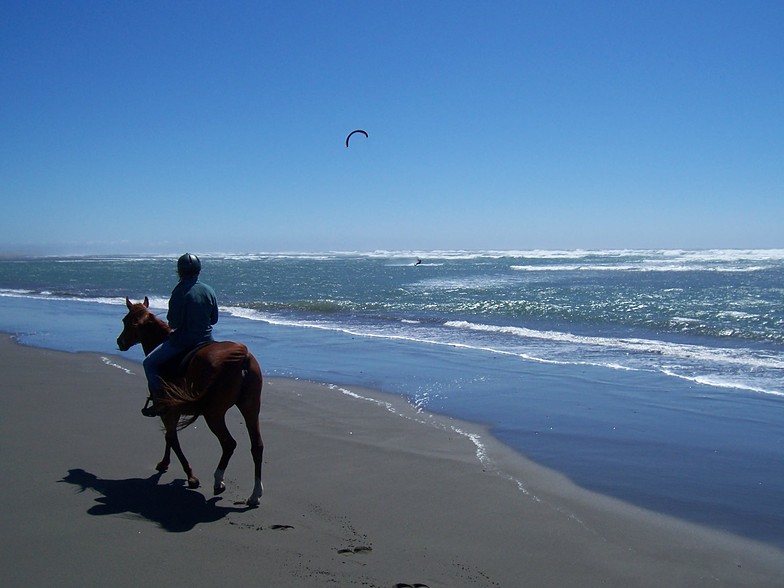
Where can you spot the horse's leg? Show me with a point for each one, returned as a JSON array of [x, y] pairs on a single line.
[[257, 451], [216, 421], [170, 421], [250, 406], [163, 465]]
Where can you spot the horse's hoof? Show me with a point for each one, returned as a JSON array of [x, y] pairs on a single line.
[[162, 467], [193, 483], [218, 488], [252, 501]]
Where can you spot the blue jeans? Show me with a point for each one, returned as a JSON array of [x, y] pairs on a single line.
[[153, 362]]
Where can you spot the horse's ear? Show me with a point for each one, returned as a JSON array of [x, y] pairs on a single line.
[[128, 303], [146, 302]]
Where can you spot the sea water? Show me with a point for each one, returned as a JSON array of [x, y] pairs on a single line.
[[653, 376]]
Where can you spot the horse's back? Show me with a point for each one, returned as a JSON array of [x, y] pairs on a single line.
[[218, 357], [223, 352]]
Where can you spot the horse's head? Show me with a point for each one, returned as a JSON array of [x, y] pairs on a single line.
[[141, 326]]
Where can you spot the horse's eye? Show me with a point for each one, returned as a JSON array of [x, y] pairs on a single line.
[[129, 322]]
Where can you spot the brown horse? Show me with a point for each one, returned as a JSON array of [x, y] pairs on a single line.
[[218, 376]]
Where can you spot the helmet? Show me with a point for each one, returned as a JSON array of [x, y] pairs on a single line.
[[188, 265]]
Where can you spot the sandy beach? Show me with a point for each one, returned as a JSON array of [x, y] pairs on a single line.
[[360, 490]]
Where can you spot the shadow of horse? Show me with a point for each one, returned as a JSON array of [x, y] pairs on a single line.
[[172, 506]]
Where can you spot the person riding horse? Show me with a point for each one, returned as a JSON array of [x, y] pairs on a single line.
[[193, 309]]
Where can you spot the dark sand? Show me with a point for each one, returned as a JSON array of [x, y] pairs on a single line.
[[357, 493]]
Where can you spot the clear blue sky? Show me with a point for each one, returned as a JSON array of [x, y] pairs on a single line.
[[156, 126]]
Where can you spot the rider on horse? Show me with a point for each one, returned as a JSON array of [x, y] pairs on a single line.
[[193, 309]]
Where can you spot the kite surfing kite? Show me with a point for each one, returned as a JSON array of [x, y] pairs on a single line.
[[353, 132]]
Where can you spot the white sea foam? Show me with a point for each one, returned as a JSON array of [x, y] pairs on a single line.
[[463, 283], [480, 449], [476, 439], [742, 357], [47, 295], [386, 405], [685, 255], [645, 266], [692, 256], [734, 314], [112, 258], [156, 302], [250, 314], [722, 382], [560, 348], [110, 363]]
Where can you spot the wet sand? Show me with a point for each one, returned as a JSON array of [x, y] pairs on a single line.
[[360, 490]]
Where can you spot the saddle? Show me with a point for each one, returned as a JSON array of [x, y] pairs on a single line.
[[178, 365], [172, 369]]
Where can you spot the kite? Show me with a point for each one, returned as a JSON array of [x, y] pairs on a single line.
[[352, 132]]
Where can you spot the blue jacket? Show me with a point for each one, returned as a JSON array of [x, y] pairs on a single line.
[[193, 309]]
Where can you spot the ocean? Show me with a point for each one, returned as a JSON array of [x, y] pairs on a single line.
[[654, 376]]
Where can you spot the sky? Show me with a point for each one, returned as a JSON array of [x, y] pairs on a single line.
[[219, 126]]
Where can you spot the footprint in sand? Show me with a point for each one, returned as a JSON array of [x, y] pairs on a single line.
[[281, 527], [352, 550], [404, 585]]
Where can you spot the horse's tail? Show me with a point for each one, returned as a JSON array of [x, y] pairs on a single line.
[[211, 372], [251, 380]]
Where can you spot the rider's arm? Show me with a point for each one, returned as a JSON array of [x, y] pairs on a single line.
[[214, 315], [176, 312]]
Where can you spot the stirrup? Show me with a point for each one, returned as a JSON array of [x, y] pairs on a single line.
[[150, 411]]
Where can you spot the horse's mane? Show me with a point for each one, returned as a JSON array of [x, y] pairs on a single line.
[[156, 330], [154, 319]]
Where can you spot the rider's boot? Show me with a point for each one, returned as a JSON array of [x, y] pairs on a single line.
[[154, 398]]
